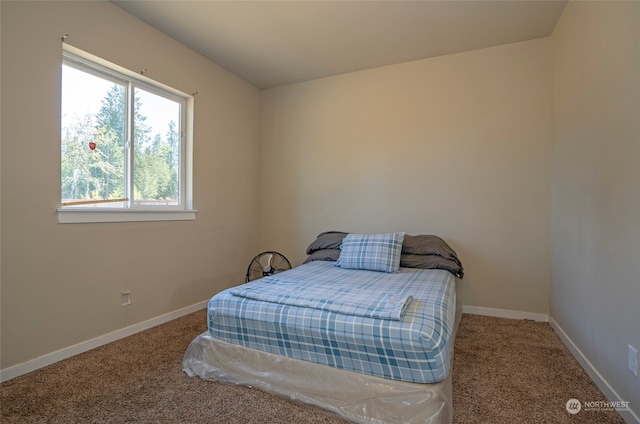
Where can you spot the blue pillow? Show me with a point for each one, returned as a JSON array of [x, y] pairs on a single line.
[[372, 252]]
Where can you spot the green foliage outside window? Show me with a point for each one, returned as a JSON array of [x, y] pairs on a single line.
[[93, 155]]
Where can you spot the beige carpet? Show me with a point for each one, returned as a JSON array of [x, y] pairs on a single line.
[[518, 371], [505, 371]]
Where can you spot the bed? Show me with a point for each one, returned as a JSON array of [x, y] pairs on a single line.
[[354, 331]]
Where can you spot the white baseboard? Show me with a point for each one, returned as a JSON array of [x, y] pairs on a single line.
[[504, 313], [629, 416], [67, 352]]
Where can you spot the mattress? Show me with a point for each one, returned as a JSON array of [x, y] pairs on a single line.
[[414, 346]]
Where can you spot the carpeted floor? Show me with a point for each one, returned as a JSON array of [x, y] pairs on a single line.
[[519, 371], [505, 371]]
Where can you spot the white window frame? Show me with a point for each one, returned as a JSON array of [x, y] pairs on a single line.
[[184, 211]]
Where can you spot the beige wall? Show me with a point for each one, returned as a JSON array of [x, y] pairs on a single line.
[[61, 283], [595, 290], [458, 146]]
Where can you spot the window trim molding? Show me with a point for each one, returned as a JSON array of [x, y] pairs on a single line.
[[98, 215], [184, 212]]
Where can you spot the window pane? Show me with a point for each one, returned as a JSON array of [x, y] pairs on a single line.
[[93, 138], [156, 169]]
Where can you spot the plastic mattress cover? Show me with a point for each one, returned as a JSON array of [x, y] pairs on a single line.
[[355, 397]]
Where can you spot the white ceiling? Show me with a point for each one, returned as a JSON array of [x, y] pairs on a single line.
[[273, 43]]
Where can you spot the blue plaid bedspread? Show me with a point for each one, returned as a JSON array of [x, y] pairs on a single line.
[[416, 347]]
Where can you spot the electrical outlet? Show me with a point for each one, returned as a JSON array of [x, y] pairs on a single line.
[[126, 297], [632, 360]]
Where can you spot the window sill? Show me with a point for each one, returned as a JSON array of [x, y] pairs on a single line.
[[85, 216]]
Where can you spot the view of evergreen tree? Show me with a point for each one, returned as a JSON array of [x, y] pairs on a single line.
[[173, 158], [93, 155], [91, 174]]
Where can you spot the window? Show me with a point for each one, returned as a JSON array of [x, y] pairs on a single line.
[[125, 145]]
